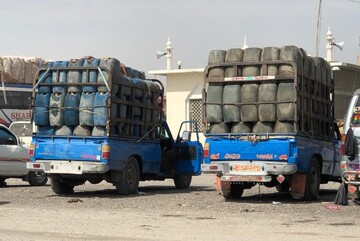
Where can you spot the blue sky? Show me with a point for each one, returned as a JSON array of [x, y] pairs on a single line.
[[133, 30]]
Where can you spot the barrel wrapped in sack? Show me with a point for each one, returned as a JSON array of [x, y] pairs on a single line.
[[113, 65], [59, 76], [74, 76], [56, 114], [214, 99], [86, 109], [252, 55], [286, 93], [90, 76], [72, 102], [100, 108], [45, 77], [41, 109], [216, 57]]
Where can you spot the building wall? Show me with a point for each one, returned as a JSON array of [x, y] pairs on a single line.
[[346, 80], [180, 90]]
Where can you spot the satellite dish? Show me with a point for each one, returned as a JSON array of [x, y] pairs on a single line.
[[340, 45], [159, 54]]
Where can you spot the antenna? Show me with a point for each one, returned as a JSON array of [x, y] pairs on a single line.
[[318, 26]]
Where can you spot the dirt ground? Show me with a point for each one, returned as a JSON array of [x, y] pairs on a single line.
[[161, 212]]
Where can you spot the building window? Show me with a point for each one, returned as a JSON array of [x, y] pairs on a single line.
[[196, 113]]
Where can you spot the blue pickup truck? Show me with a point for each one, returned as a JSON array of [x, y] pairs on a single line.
[[269, 119], [99, 120]]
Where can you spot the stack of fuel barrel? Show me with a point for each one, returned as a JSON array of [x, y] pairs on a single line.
[[268, 90], [95, 97]]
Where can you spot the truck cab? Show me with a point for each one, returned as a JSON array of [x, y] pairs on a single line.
[[350, 159]]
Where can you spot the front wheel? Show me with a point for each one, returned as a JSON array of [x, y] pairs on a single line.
[[128, 182], [312, 186], [182, 181], [60, 187], [37, 178]]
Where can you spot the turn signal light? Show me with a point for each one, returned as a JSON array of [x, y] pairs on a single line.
[[105, 151], [31, 150], [206, 150]]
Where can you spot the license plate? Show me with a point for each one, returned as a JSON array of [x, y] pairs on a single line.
[[247, 168]]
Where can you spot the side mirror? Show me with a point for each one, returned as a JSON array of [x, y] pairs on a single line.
[[186, 136]]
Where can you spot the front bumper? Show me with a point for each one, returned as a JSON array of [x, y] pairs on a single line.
[[67, 167]]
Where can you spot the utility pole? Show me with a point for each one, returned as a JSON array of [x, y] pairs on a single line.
[[318, 26]]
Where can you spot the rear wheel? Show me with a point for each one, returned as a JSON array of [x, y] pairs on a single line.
[[283, 187], [182, 181], [312, 187], [37, 178], [236, 191], [128, 182], [60, 187]]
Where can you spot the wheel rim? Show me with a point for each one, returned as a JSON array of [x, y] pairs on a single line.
[[40, 176], [131, 177]]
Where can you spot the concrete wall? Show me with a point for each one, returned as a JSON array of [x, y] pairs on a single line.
[[346, 80], [180, 88]]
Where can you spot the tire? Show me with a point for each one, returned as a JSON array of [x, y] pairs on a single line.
[[270, 54], [37, 178], [283, 187], [231, 113], [252, 55], [182, 181], [129, 178], [312, 186], [236, 191], [60, 187]]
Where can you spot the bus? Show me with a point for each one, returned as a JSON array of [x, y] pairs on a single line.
[[15, 100]]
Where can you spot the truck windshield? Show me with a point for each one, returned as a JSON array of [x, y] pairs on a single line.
[[355, 119]]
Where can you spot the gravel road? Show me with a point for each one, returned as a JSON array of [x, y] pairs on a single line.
[[161, 212]]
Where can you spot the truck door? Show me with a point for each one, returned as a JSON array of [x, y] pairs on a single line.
[[189, 151]]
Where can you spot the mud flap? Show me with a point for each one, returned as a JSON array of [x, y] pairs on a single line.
[[298, 182], [223, 188]]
